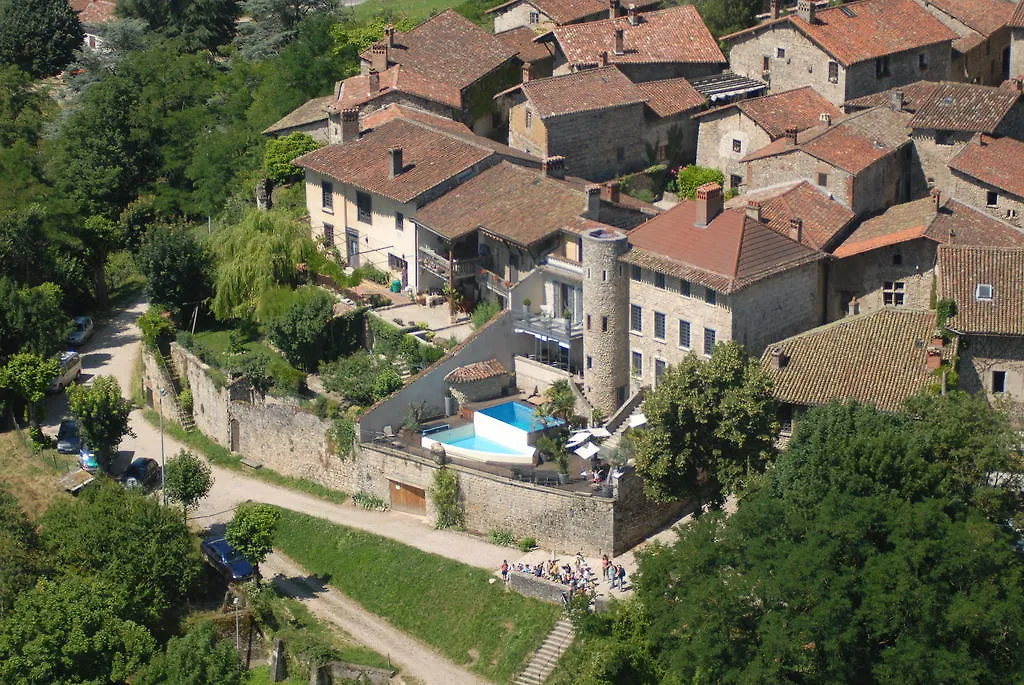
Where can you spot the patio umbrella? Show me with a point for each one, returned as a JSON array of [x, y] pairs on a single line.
[[587, 451], [600, 432], [637, 420]]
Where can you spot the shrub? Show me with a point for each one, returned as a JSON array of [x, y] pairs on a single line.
[[502, 537], [156, 328], [693, 176], [120, 269], [279, 153], [372, 273], [368, 501], [360, 377], [445, 495], [526, 544], [342, 436], [185, 400], [302, 330], [484, 312]]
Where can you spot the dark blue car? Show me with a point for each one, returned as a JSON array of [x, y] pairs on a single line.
[[225, 559]]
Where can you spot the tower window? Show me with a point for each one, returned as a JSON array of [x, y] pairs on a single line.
[[637, 363], [604, 324]]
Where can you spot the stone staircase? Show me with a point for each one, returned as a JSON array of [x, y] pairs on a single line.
[[545, 659], [184, 418]]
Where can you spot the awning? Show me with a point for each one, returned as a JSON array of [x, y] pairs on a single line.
[[637, 420], [587, 451], [600, 432]]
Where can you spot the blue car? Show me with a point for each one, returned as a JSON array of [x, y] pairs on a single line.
[[225, 559], [87, 458]]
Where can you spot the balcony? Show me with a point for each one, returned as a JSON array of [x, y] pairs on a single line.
[[495, 283], [563, 265], [547, 328], [439, 265]]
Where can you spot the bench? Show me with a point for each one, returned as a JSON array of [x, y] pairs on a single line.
[[251, 464], [521, 474], [546, 478]]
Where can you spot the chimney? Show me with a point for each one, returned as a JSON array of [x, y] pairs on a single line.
[[338, 85], [526, 71], [805, 10], [395, 165], [933, 358], [774, 9], [791, 134], [853, 309], [554, 166], [709, 204], [633, 16], [896, 100], [389, 35], [620, 41], [779, 358], [373, 81], [754, 210], [379, 57], [349, 124], [825, 118], [612, 191], [602, 59], [937, 199], [613, 9], [593, 206], [796, 228]]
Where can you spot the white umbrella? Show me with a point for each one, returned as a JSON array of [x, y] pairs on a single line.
[[587, 451], [600, 432], [578, 439]]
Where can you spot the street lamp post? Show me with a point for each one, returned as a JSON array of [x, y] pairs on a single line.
[[163, 469]]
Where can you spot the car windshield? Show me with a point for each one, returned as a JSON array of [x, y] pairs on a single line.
[[68, 430]]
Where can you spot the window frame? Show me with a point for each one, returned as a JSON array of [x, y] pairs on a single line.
[[991, 198], [710, 296], [327, 196], [894, 293], [685, 288], [943, 137], [688, 345], [984, 288], [364, 207], [636, 363], [636, 313], [329, 234], [737, 145], [635, 273], [713, 334], [660, 316], [1001, 375], [833, 71], [399, 221], [659, 280]]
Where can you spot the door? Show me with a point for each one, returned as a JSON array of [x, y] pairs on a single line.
[[352, 247], [234, 435], [407, 498]]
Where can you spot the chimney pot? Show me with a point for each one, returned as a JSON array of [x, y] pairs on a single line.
[[937, 198], [709, 204], [897, 100], [633, 16], [796, 229], [620, 41], [389, 35], [614, 190], [593, 207], [791, 133], [527, 67], [774, 9], [379, 56], [338, 85], [614, 9], [779, 358], [349, 124], [395, 162], [374, 81], [754, 210], [854, 307], [805, 9], [825, 118], [602, 58], [554, 166]]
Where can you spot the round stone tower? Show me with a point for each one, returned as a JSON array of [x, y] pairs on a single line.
[[606, 319]]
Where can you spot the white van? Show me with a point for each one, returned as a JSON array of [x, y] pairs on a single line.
[[70, 370]]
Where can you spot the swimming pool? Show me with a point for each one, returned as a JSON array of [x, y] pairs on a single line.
[[522, 416], [502, 433]]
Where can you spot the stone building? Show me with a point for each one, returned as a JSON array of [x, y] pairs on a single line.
[[824, 222], [727, 133], [479, 381], [985, 284], [606, 307], [987, 174], [698, 275], [844, 52], [864, 162], [547, 14], [1016, 26], [645, 46], [603, 124], [537, 58], [94, 14], [982, 47]]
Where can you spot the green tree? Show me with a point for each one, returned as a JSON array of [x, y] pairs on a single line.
[[303, 330], [724, 16], [196, 658], [29, 376], [446, 497], [275, 23], [100, 236], [144, 551], [692, 177], [178, 269], [710, 425], [355, 377], [559, 402], [277, 159], [200, 24], [21, 562], [22, 107], [187, 479], [38, 36], [251, 531], [71, 629], [102, 414]]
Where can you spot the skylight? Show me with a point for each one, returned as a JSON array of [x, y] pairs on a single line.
[[983, 292]]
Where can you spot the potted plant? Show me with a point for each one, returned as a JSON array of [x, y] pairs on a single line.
[[526, 305], [553, 447]]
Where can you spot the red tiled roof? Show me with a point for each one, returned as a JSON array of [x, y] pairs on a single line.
[[962, 269], [677, 34], [430, 157], [995, 161], [477, 371], [729, 254], [866, 29], [1017, 18], [521, 41], [583, 91], [879, 358], [897, 224], [984, 16], [800, 108], [307, 113], [449, 49], [823, 219], [960, 224], [396, 111], [965, 107], [94, 11], [562, 11], [671, 96], [355, 90], [509, 201], [914, 96]]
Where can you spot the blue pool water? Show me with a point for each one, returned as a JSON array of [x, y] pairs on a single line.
[[520, 415], [475, 442]]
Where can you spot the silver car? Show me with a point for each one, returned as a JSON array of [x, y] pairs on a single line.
[[81, 332]]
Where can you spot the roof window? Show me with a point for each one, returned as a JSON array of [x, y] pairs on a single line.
[[983, 292]]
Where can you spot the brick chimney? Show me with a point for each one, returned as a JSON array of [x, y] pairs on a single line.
[[933, 358], [389, 35], [633, 15], [593, 207], [338, 85], [896, 100], [349, 124], [805, 10], [620, 41], [614, 9], [554, 166], [791, 134], [602, 58], [395, 165], [778, 358], [825, 118], [373, 81], [527, 67], [379, 57], [754, 210], [796, 228], [709, 204], [612, 191], [936, 199], [774, 9]]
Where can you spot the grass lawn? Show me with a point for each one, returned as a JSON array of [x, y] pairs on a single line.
[[32, 476], [448, 605], [414, 9], [219, 342]]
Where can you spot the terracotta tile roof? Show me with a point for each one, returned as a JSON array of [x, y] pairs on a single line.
[[960, 224], [1017, 18], [308, 113], [561, 11], [449, 49], [583, 91], [521, 41], [866, 29], [879, 358], [396, 111], [430, 157], [914, 96], [995, 161], [355, 90], [984, 16], [508, 201], [94, 11], [897, 224], [823, 218], [965, 107], [962, 269], [800, 109], [671, 96], [677, 34], [477, 371], [729, 254]]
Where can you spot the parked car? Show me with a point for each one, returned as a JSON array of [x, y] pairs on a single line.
[[70, 370], [87, 458], [69, 439], [142, 473], [82, 330], [226, 560]]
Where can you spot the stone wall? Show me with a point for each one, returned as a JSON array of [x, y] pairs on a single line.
[[973, 192], [539, 588], [514, 16], [481, 390], [636, 517], [980, 356], [864, 275], [779, 306], [533, 375], [715, 141], [154, 377], [658, 131], [1017, 53], [599, 144], [532, 139], [934, 158]]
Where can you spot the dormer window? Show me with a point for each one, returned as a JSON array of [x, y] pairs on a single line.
[[983, 292]]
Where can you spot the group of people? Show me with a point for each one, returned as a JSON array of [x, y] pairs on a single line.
[[578, 576]]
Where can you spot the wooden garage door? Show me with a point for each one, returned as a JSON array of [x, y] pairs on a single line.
[[408, 498]]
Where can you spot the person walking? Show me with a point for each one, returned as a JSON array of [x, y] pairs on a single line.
[[613, 574], [605, 563], [622, 578], [504, 570]]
